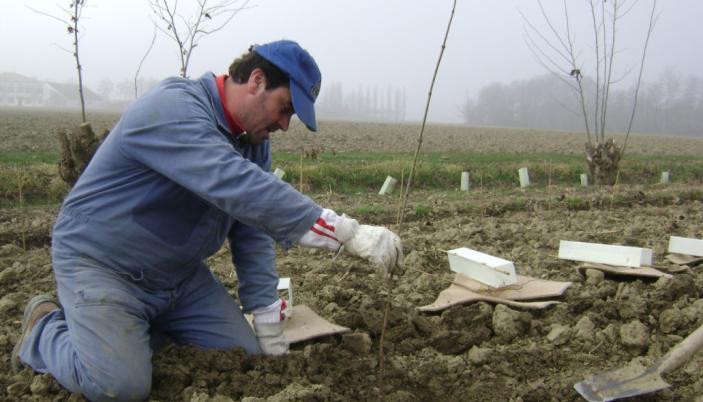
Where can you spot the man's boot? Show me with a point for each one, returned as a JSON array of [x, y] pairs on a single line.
[[38, 307]]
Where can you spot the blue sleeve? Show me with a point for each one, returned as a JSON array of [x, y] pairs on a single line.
[[253, 253], [180, 140], [254, 258]]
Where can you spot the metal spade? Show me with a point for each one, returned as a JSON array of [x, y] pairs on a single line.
[[636, 379]]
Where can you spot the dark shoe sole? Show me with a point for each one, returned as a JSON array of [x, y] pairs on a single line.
[[31, 306]]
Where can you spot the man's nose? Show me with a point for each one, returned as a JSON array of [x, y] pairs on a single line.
[[284, 121]]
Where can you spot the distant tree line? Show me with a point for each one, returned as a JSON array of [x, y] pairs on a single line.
[[671, 105], [363, 103]]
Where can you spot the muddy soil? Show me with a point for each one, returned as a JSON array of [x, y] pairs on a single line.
[[476, 352]]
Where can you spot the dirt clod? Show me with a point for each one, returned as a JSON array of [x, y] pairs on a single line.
[[584, 328], [634, 334], [357, 342], [508, 323], [594, 276], [670, 320]]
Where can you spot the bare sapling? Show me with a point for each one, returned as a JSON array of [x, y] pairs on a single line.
[[483, 196], [615, 185], [77, 146], [549, 185], [20, 176], [187, 31], [400, 196], [389, 291], [70, 17], [300, 177], [141, 63], [591, 82]]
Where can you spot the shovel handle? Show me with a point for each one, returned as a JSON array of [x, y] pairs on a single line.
[[682, 352]]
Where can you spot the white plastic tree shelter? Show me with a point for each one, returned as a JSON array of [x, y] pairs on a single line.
[[279, 173], [665, 177], [465, 181], [584, 180], [524, 177], [492, 271], [685, 245], [388, 185], [625, 256]]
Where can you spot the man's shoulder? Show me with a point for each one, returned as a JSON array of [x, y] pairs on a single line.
[[199, 87], [180, 95]]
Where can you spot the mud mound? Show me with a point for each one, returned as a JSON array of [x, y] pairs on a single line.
[[481, 351]]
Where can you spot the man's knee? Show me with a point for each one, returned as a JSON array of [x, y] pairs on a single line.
[[119, 386]]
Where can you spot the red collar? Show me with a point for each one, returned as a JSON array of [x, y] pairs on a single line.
[[234, 125]]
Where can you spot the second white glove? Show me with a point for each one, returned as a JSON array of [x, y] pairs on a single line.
[[269, 325], [377, 244]]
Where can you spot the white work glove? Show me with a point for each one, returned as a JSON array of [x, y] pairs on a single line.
[[377, 244], [269, 323]]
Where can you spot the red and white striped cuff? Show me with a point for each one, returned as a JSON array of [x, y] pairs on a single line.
[[322, 233]]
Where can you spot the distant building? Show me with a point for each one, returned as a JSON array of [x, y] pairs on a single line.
[[19, 90]]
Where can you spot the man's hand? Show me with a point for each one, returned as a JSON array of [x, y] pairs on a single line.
[[377, 244], [269, 323]]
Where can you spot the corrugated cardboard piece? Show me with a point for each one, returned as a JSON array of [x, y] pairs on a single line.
[[465, 290], [646, 272], [684, 259], [304, 324]]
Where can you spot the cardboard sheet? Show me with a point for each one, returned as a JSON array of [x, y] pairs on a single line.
[[644, 272], [684, 259], [465, 290], [305, 324]]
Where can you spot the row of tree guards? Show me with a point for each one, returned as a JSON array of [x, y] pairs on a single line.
[[523, 176], [465, 183]]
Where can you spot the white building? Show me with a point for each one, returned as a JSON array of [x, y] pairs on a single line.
[[18, 90]]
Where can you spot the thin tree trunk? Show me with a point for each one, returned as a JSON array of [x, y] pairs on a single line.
[[76, 13]]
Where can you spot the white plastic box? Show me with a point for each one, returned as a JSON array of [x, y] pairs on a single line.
[[685, 245], [485, 268], [624, 256]]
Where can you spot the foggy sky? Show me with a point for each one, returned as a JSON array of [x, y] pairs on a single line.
[[361, 42]]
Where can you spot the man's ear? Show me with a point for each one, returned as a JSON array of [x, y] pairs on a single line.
[[257, 79]]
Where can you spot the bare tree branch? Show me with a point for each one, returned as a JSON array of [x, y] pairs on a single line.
[[187, 31], [652, 22], [544, 39], [540, 55], [74, 14], [596, 41], [565, 106], [603, 156], [567, 49], [607, 82], [67, 23], [575, 70], [568, 55], [141, 63]]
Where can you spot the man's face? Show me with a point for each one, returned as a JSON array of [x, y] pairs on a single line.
[[268, 111]]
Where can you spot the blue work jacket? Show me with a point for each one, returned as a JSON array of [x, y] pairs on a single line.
[[170, 184]]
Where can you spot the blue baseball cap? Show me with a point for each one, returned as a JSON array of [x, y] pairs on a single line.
[[304, 75]]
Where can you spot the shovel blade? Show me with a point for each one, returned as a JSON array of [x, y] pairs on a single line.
[[631, 380]]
